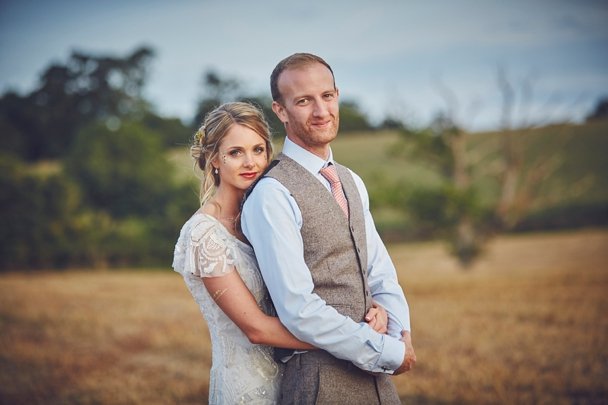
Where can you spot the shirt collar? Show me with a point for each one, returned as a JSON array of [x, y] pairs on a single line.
[[306, 159]]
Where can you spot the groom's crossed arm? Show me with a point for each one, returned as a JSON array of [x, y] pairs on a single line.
[[271, 221]]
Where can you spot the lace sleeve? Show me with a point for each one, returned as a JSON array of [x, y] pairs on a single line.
[[211, 252]]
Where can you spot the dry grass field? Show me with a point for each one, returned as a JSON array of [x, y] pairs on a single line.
[[527, 325]]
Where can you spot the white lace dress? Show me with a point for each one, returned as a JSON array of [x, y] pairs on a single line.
[[241, 372]]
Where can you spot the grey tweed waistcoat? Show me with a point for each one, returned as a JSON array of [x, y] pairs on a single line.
[[335, 248], [335, 251]]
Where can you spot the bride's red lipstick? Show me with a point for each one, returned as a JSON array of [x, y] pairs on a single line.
[[249, 175]]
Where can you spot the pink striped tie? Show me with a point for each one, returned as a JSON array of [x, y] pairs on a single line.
[[331, 174]]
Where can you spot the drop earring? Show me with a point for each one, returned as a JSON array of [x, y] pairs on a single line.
[[216, 171]]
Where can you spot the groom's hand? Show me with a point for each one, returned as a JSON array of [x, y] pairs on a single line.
[[410, 356]]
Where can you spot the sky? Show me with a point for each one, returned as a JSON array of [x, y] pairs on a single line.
[[408, 59]]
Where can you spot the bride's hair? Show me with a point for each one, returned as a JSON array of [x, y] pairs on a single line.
[[207, 140]]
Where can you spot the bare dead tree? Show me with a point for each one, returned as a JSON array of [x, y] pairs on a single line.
[[511, 154], [466, 241], [464, 161], [521, 176]]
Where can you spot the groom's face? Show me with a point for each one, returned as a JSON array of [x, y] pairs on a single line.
[[309, 106]]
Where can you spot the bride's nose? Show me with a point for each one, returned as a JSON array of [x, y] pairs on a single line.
[[248, 161]]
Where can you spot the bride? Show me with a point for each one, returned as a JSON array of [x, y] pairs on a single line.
[[233, 148]]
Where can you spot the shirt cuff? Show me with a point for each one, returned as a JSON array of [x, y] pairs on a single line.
[[392, 355]]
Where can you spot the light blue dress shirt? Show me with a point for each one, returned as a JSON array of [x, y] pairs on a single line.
[[271, 221]]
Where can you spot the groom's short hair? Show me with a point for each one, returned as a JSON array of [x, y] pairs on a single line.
[[295, 61]]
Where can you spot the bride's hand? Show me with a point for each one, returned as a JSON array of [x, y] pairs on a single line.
[[377, 318]]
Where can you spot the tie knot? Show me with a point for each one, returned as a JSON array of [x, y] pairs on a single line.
[[331, 174]]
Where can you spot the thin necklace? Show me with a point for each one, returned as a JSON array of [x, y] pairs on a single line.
[[217, 204], [230, 220]]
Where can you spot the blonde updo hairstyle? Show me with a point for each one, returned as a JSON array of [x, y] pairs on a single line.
[[207, 140]]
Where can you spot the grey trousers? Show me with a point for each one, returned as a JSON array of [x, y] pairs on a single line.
[[316, 377]]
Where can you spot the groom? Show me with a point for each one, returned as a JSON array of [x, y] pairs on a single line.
[[321, 258]]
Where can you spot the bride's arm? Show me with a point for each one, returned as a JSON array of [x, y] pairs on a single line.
[[234, 298]]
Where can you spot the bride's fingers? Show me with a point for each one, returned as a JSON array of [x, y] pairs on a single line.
[[373, 324], [371, 314]]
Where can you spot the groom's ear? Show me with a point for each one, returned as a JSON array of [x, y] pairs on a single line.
[[279, 110]]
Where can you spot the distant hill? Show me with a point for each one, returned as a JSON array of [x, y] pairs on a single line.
[[579, 150]]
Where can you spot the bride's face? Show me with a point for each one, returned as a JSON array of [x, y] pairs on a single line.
[[242, 157]]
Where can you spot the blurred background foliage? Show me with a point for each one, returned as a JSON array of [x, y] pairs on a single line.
[[92, 177]]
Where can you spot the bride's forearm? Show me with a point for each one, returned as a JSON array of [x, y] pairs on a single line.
[[272, 332], [236, 301]]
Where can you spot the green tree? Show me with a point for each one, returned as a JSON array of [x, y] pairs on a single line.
[[38, 213], [216, 90], [352, 118], [15, 122], [173, 132], [122, 171], [131, 193], [600, 111], [72, 95], [111, 198]]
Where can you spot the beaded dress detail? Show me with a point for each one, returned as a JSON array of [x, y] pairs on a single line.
[[241, 372]]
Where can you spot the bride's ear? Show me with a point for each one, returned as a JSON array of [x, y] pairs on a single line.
[[215, 164]]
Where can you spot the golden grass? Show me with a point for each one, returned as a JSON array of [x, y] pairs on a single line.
[[528, 324], [101, 337]]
